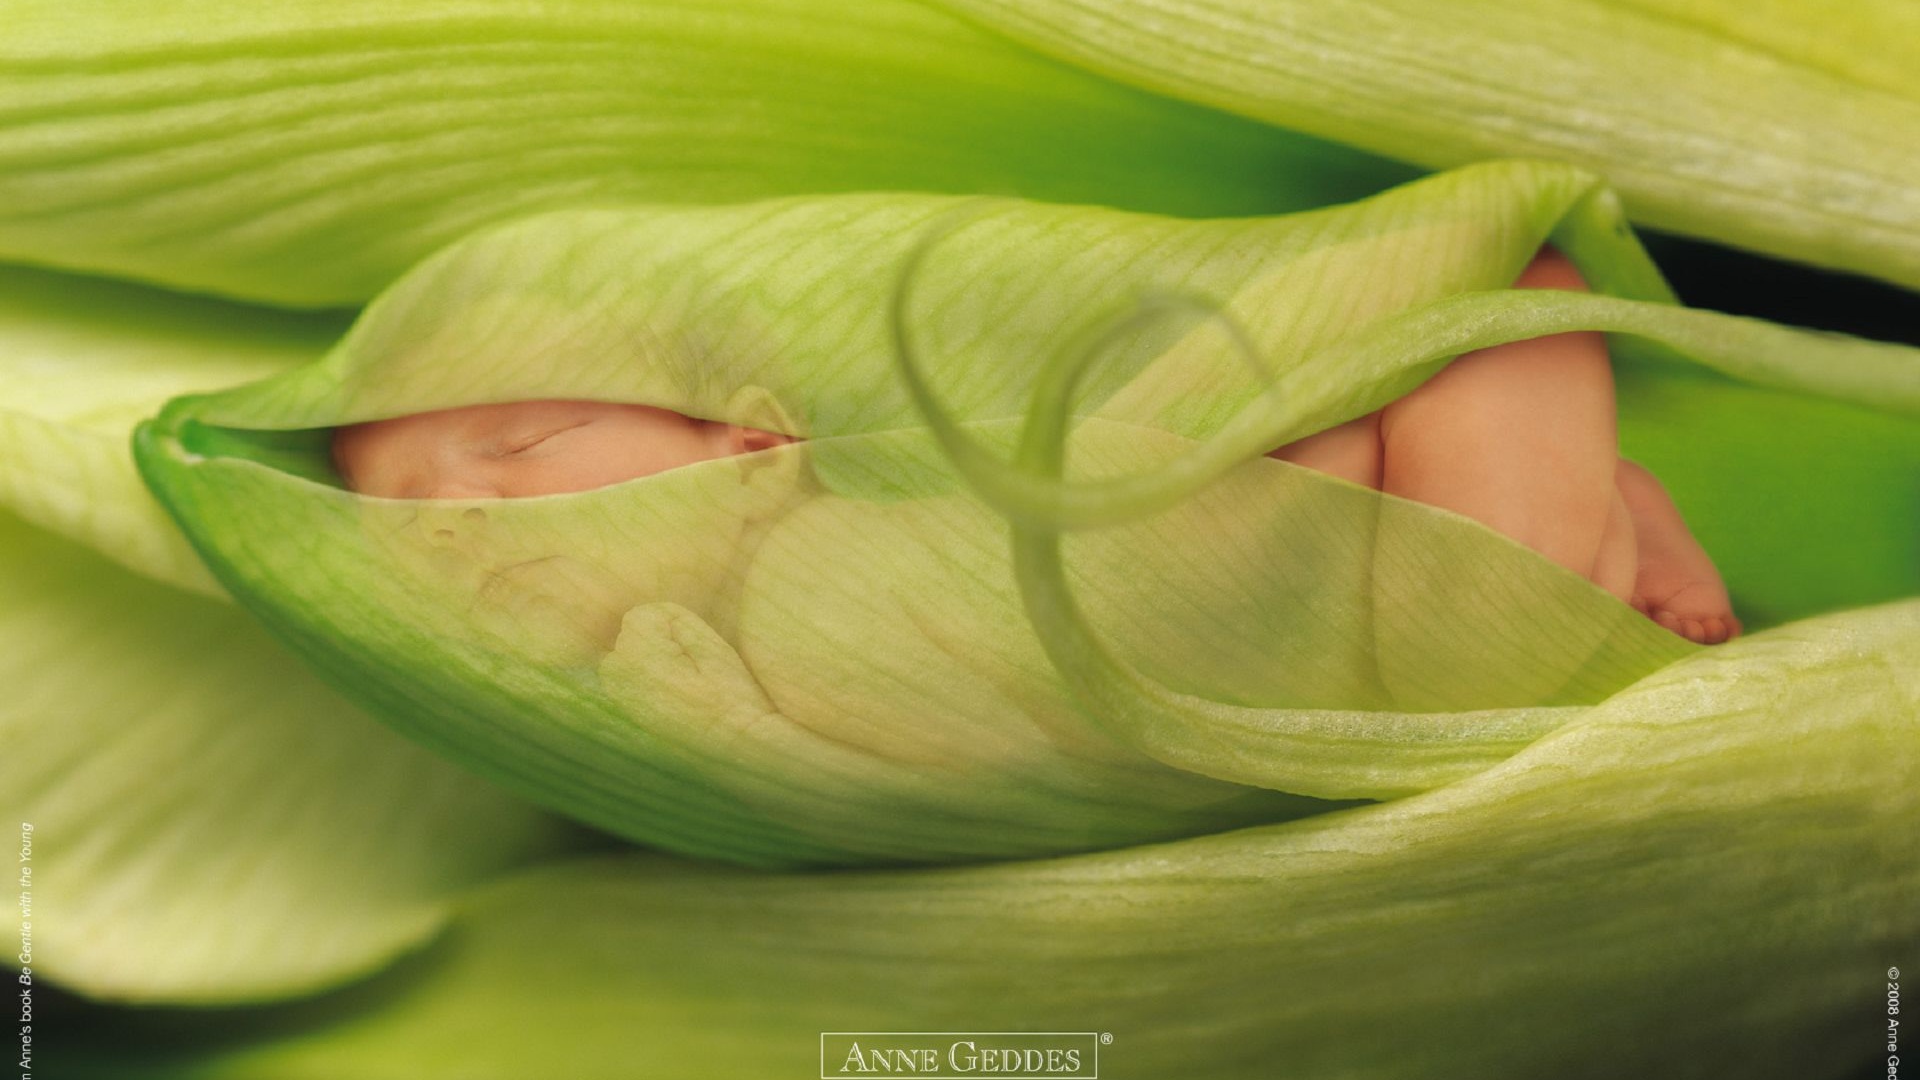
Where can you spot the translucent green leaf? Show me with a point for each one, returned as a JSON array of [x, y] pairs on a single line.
[[306, 152], [660, 657], [1781, 127], [1705, 875]]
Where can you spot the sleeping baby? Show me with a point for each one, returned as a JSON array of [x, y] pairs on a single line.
[[1520, 437]]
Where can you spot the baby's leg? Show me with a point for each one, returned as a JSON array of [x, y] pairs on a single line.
[[1676, 584], [1521, 438], [1350, 451]]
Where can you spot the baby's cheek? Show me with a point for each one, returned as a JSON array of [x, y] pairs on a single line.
[[558, 474]]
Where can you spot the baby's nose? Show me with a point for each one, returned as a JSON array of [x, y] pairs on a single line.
[[445, 526]]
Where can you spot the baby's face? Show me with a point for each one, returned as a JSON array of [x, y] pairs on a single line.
[[528, 448]]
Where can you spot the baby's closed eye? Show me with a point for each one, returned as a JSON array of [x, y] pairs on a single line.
[[524, 441]]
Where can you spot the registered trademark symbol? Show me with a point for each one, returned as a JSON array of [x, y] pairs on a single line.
[[1106, 1038]]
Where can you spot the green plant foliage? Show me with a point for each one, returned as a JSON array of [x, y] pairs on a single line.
[[1779, 126], [1296, 778]]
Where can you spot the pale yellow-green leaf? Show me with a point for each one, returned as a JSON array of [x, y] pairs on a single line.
[[210, 822], [81, 362], [1783, 127], [1710, 873], [308, 151]]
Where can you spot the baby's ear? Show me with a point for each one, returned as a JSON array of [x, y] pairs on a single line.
[[746, 440], [755, 407], [756, 422]]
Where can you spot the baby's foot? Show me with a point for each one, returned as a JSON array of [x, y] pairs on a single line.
[[1698, 611], [1676, 584]]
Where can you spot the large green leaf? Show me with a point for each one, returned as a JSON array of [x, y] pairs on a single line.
[[306, 152], [739, 659], [1707, 875], [210, 823], [1783, 127], [82, 361]]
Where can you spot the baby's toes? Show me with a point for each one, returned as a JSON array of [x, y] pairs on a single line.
[[1698, 612], [1719, 629], [1714, 631], [1700, 629]]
